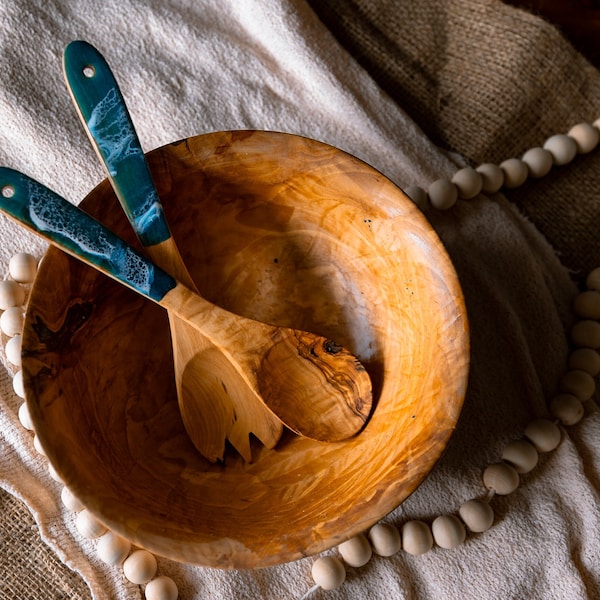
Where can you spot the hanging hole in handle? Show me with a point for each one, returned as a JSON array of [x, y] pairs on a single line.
[[8, 191], [89, 71]]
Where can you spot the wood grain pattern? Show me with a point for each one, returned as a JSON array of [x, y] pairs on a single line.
[[284, 230]]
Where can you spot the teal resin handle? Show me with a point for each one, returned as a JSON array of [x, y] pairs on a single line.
[[102, 108], [73, 230]]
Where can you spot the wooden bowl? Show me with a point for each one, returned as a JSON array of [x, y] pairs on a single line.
[[285, 230]]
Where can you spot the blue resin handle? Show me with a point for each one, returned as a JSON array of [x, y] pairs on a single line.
[[73, 230], [102, 109]]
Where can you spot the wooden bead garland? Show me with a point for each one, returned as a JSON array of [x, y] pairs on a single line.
[[576, 385], [519, 457]]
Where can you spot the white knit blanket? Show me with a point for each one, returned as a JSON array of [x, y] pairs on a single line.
[[192, 67]]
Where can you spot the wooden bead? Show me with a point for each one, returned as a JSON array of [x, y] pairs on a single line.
[[521, 455], [38, 446], [70, 501], [416, 537], [418, 195], [562, 147], [23, 267], [538, 161], [492, 177], [468, 182], [12, 349], [586, 137], [140, 567], [592, 281], [578, 383], [18, 386], [385, 539], [11, 294], [11, 321], [515, 172], [582, 359], [113, 549], [544, 434], [568, 409], [501, 478], [477, 515], [587, 304], [448, 531], [161, 588], [586, 334], [54, 473], [328, 572], [88, 526], [25, 417], [356, 551], [442, 194]]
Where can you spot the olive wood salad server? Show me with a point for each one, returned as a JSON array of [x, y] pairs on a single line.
[[215, 404], [316, 387]]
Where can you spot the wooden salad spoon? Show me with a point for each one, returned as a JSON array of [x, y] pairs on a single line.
[[316, 387], [215, 404]]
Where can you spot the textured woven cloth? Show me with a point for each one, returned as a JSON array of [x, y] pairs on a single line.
[[440, 84]]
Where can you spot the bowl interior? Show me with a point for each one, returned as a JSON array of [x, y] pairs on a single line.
[[285, 230]]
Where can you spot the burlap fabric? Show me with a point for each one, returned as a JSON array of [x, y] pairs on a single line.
[[488, 81], [482, 80]]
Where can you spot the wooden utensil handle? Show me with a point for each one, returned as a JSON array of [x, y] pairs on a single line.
[[73, 230], [91, 82], [102, 108]]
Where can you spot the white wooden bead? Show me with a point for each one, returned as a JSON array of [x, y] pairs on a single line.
[[356, 551], [113, 549], [54, 474], [544, 434], [586, 334], [538, 161], [18, 386], [12, 320], [418, 195], [25, 417], [587, 304], [161, 588], [442, 194], [468, 182], [585, 359], [328, 572], [562, 147], [592, 281], [586, 137], [23, 267], [11, 294], [522, 455], [492, 177], [578, 383], [515, 172], [477, 515], [416, 537], [70, 501], [38, 445], [448, 531], [88, 526], [501, 478], [140, 567], [12, 349], [385, 539], [568, 409]]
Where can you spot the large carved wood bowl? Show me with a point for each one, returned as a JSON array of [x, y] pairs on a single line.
[[281, 229]]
